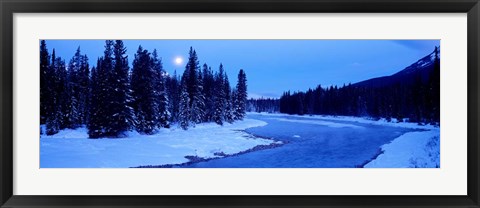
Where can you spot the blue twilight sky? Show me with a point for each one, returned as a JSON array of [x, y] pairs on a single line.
[[274, 66]]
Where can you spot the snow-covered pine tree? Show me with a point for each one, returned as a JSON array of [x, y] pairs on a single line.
[[46, 83], [190, 74], [83, 83], [54, 116], [160, 91], [74, 114], [198, 104], [241, 95], [71, 106], [184, 108], [219, 97], [62, 102], [108, 105], [208, 82], [123, 117], [229, 117], [144, 92], [97, 102], [194, 87], [173, 92], [92, 92]]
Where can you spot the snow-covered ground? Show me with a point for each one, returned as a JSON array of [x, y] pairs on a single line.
[[72, 148], [420, 149]]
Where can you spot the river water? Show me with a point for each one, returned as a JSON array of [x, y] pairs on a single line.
[[311, 143]]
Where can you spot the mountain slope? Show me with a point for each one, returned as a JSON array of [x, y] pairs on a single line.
[[422, 68]]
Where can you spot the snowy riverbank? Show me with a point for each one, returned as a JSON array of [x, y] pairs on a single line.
[[362, 120], [72, 148], [419, 149]]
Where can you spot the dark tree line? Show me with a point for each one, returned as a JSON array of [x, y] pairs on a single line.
[[269, 105], [111, 99], [418, 100]]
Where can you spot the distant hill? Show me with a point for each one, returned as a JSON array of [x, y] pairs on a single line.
[[412, 94], [422, 67]]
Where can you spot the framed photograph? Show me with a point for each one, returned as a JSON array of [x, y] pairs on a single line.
[[266, 103]]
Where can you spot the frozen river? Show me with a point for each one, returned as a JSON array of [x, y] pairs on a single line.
[[311, 143]]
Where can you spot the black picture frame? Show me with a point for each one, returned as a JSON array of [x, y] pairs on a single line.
[[9, 7]]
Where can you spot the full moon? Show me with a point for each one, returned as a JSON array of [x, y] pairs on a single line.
[[178, 60]]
